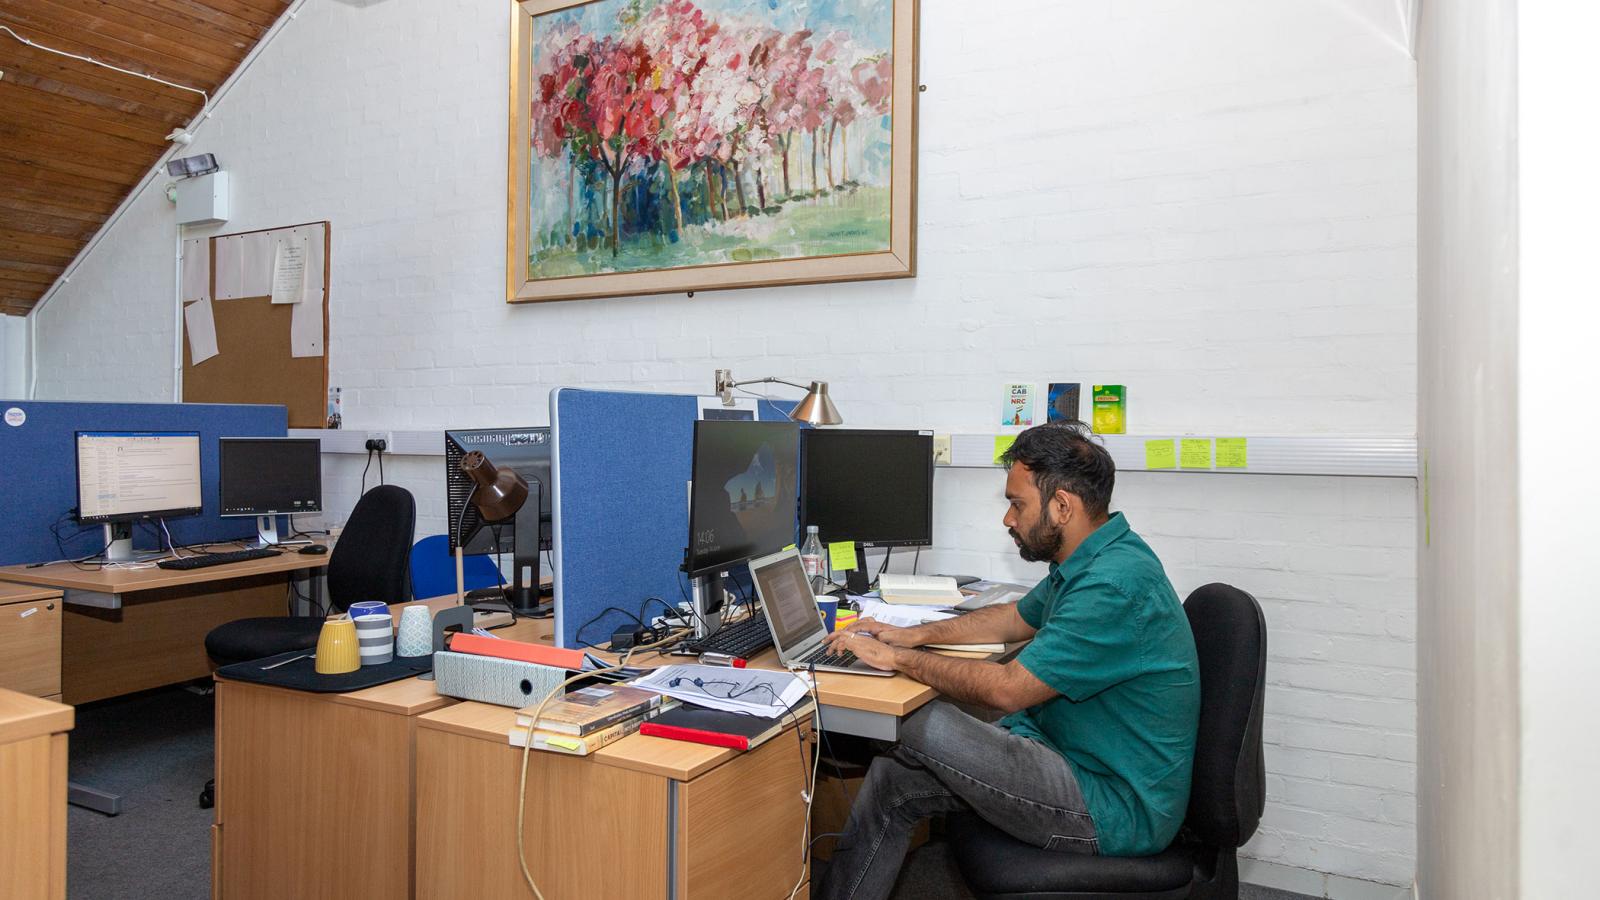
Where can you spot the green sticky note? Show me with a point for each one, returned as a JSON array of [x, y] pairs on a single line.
[[842, 555], [1002, 443], [1195, 453], [1231, 453], [1160, 455]]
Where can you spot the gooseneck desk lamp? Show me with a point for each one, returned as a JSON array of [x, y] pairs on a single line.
[[814, 409], [501, 495]]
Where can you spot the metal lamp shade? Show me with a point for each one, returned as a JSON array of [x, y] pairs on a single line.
[[816, 408], [500, 493]]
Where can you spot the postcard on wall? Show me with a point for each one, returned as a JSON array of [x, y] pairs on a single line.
[[1110, 409], [1017, 406], [1063, 402]]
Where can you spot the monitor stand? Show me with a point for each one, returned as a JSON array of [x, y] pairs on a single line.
[[119, 541], [266, 531], [707, 596]]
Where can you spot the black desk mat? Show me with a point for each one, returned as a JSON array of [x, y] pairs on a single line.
[[302, 675]]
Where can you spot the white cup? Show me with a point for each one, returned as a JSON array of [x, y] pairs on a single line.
[[416, 632], [375, 634]]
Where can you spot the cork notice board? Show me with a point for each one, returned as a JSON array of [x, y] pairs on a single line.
[[255, 359]]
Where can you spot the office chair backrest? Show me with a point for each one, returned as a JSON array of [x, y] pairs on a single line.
[[1229, 791], [433, 569], [371, 561]]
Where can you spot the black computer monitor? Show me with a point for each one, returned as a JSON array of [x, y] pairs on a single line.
[[128, 475], [527, 452], [263, 478], [871, 487], [742, 496]]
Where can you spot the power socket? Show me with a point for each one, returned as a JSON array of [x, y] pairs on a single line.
[[379, 441]]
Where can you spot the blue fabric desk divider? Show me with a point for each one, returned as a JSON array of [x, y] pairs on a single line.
[[621, 511], [39, 462]]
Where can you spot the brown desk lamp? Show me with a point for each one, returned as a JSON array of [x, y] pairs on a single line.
[[502, 495]]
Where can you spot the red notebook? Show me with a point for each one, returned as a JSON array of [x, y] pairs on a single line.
[[699, 725]]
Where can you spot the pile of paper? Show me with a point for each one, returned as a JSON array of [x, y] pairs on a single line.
[[749, 691], [901, 616]]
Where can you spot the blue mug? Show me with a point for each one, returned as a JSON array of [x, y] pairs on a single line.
[[829, 606], [369, 608]]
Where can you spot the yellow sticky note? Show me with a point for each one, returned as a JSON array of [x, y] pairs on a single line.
[[1231, 453], [1160, 455], [564, 743], [1002, 443], [842, 555], [790, 547], [1195, 453]]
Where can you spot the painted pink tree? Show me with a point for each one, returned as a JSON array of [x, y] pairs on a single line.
[[676, 34], [873, 78], [837, 57], [793, 85], [625, 108], [551, 84]]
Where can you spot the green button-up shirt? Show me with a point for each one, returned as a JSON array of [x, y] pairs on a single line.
[[1113, 641]]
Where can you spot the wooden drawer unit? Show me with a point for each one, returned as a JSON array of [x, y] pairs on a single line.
[[30, 644]]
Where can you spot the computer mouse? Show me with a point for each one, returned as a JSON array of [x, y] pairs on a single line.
[[314, 549]]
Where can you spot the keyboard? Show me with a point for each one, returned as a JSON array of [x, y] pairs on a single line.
[[206, 560], [743, 639], [821, 657]]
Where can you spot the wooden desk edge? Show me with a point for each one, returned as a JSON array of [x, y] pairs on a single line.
[[64, 576], [406, 697], [23, 717], [15, 592]]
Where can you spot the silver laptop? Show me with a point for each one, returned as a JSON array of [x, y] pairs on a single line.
[[793, 617]]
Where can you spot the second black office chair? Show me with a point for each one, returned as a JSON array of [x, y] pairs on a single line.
[[1225, 802], [371, 561]]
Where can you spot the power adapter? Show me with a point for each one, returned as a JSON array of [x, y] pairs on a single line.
[[377, 445], [630, 636]]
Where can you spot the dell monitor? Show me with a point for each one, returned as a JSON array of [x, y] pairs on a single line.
[[128, 475], [263, 478], [741, 501], [527, 452], [871, 487]]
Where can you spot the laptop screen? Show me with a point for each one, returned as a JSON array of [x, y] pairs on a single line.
[[786, 593]]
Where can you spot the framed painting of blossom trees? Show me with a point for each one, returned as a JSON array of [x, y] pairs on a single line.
[[680, 145]]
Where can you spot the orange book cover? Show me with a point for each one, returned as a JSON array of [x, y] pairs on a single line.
[[519, 650]]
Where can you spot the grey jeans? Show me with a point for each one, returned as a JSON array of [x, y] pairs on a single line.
[[948, 761]]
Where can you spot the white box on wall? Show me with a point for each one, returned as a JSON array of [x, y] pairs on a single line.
[[203, 199]]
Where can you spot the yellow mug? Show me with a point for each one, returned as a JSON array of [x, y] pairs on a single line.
[[338, 650]]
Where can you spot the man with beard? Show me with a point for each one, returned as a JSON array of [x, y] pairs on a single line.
[[1095, 752]]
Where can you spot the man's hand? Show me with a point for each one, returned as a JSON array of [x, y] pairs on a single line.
[[867, 648], [888, 634]]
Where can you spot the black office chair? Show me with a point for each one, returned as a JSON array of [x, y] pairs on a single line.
[[1225, 802], [371, 561]]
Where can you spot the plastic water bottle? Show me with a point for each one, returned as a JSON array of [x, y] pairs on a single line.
[[816, 563]]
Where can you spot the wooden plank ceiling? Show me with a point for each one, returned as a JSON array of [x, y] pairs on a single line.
[[75, 138]]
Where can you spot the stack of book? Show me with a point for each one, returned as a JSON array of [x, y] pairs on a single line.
[[585, 720]]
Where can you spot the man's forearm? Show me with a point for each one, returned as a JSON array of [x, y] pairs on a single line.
[[964, 680], [992, 624]]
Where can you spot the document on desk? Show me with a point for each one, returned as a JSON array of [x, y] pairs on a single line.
[[907, 616], [755, 692], [918, 590]]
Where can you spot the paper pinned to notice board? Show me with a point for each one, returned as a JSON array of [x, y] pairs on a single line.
[[257, 253], [230, 267], [201, 324], [305, 328], [196, 282], [289, 270]]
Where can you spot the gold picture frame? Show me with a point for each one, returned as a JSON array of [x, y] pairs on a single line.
[[566, 258]]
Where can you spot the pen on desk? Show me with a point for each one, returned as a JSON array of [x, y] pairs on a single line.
[[721, 659]]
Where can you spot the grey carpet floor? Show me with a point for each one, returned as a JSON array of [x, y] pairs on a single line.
[[155, 749]]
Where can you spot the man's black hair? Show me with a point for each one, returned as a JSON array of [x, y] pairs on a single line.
[[1062, 456]]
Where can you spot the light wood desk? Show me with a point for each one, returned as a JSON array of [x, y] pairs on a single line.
[[306, 780], [642, 818], [127, 630], [30, 640], [33, 797]]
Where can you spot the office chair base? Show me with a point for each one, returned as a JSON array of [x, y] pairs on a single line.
[[208, 794]]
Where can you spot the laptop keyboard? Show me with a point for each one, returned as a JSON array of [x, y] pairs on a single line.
[[821, 657]]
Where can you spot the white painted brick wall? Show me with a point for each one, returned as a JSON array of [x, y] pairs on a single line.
[[1212, 203]]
